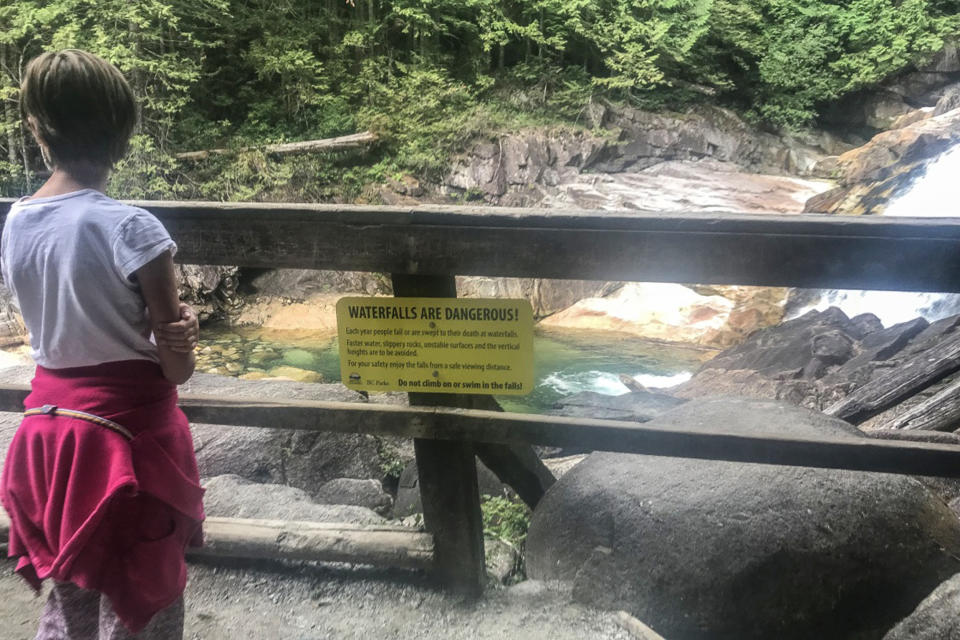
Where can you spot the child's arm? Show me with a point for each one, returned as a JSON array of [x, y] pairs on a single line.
[[182, 335], [159, 287]]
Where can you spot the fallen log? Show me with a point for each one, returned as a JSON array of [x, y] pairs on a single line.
[[327, 542], [352, 141], [908, 378], [940, 412], [324, 542]]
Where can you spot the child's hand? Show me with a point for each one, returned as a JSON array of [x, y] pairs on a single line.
[[180, 336]]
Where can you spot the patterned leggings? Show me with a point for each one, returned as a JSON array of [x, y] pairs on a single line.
[[72, 613]]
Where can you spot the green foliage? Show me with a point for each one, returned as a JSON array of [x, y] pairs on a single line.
[[505, 519], [431, 75], [391, 464]]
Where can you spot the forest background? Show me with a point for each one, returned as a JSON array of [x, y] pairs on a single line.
[[429, 76]]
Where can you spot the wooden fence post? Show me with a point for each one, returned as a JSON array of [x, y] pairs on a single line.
[[447, 475]]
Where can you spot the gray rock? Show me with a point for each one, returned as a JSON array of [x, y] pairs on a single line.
[[936, 618], [361, 493], [882, 108], [12, 330], [231, 496], [638, 406], [210, 290], [502, 559], [690, 545], [949, 101], [303, 459], [408, 492], [299, 284]]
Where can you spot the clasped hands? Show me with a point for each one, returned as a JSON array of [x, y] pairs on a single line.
[[180, 336]]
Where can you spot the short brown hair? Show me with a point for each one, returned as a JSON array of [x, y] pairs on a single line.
[[81, 105]]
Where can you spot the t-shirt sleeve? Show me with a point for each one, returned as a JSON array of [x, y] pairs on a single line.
[[139, 239]]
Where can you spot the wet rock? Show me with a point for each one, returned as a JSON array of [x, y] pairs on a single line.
[[636, 406], [936, 618], [299, 358], [870, 175], [231, 496], [351, 491], [689, 545], [295, 374], [912, 117]]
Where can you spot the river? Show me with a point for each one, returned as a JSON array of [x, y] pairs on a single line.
[[564, 362]]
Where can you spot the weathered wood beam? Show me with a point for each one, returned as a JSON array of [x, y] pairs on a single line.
[[773, 250], [325, 542], [909, 377], [447, 475], [315, 541], [939, 412], [470, 425], [339, 143]]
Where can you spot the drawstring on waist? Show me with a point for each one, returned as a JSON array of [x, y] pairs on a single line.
[[54, 410]]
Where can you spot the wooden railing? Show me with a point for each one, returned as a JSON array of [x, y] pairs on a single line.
[[424, 248]]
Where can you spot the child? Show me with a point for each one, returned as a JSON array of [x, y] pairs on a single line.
[[100, 481]]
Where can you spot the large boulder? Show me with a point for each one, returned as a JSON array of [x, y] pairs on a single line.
[[302, 459], [709, 549], [231, 496], [352, 491], [936, 618]]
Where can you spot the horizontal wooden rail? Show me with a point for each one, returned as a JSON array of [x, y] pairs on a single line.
[[386, 546], [442, 423], [907, 254]]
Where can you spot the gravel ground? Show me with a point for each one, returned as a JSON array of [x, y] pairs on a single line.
[[269, 601]]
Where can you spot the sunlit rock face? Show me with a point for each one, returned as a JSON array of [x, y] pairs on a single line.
[[715, 317], [872, 176]]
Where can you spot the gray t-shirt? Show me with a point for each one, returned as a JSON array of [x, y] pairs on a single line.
[[69, 261]]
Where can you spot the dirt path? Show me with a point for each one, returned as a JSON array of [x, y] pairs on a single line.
[[270, 602]]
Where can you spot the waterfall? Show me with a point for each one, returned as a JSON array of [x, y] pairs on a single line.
[[934, 194]]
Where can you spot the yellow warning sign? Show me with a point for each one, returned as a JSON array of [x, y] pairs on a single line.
[[436, 345]]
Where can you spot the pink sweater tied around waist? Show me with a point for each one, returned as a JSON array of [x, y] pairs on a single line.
[[94, 506]]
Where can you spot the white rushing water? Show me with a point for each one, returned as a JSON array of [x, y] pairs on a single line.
[[606, 382], [935, 194]]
